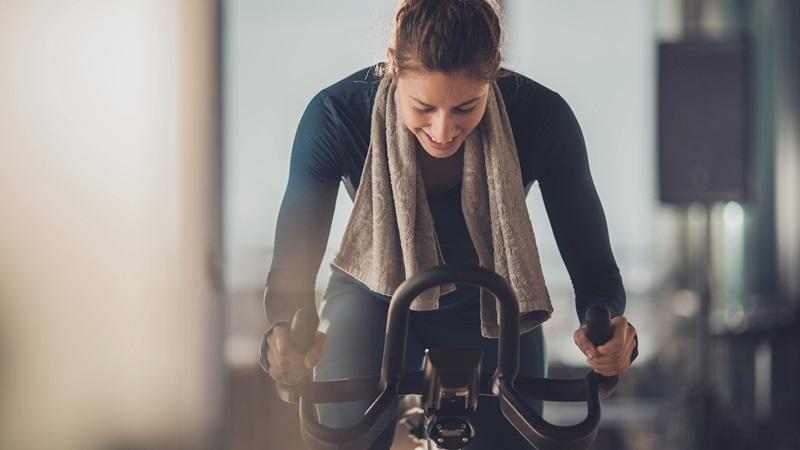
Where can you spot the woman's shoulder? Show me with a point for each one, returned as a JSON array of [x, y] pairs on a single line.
[[354, 95], [525, 95], [355, 92], [539, 118]]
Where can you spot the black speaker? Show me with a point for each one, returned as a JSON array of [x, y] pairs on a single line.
[[703, 121]]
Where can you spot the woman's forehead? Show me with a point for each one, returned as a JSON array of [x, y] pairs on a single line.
[[441, 89]]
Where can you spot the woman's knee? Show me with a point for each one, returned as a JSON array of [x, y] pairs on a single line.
[[344, 415], [352, 349], [354, 321]]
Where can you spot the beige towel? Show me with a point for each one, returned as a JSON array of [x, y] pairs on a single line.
[[390, 235]]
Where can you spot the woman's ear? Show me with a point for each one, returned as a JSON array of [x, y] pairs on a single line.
[[390, 58]]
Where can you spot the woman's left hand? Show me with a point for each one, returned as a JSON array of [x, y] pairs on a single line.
[[613, 357]]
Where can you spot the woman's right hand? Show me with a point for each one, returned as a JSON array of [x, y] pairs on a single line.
[[287, 365]]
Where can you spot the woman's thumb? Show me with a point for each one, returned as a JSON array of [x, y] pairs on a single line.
[[315, 353]]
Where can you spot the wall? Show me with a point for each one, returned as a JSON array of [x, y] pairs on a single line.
[[110, 323]]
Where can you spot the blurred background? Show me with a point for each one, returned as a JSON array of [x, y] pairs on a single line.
[[144, 155]]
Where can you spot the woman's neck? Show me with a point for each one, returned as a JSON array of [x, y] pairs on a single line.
[[440, 174]]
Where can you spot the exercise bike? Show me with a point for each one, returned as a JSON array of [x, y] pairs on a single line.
[[449, 384]]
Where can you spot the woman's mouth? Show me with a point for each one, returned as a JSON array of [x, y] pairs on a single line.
[[440, 145]]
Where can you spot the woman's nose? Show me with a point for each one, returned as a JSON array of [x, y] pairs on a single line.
[[443, 129]]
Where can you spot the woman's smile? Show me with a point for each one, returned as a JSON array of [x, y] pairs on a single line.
[[443, 146]]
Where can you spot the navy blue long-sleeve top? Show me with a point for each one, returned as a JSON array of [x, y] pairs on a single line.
[[330, 147]]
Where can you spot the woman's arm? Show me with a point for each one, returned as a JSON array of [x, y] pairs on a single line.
[[305, 216], [579, 225], [576, 214]]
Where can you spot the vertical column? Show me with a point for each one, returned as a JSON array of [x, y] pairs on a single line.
[[110, 319], [787, 151]]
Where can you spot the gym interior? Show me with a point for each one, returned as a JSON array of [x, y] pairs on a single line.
[[145, 151]]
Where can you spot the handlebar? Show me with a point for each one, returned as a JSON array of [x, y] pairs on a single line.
[[504, 383]]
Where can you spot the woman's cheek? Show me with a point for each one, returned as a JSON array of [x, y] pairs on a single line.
[[473, 120], [412, 120]]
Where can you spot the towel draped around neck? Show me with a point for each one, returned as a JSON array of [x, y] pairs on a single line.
[[390, 235]]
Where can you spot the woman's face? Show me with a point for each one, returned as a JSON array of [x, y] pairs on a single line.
[[440, 109]]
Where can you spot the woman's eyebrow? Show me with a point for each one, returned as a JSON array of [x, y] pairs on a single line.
[[457, 106]]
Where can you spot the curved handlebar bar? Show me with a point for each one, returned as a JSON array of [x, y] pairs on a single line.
[[504, 383]]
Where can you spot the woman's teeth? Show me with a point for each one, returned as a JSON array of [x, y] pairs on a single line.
[[434, 140]]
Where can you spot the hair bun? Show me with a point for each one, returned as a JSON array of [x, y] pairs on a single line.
[[446, 36]]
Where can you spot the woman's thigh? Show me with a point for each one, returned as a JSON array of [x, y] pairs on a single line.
[[354, 320]]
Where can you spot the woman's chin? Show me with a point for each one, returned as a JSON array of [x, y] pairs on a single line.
[[442, 153]]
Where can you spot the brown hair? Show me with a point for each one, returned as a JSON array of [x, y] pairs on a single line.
[[446, 36]]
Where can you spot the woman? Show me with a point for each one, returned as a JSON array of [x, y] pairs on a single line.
[[460, 111]]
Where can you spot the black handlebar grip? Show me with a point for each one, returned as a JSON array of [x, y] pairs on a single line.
[[598, 325], [599, 331], [302, 334]]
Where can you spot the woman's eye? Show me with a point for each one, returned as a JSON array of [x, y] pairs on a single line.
[[458, 110]]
